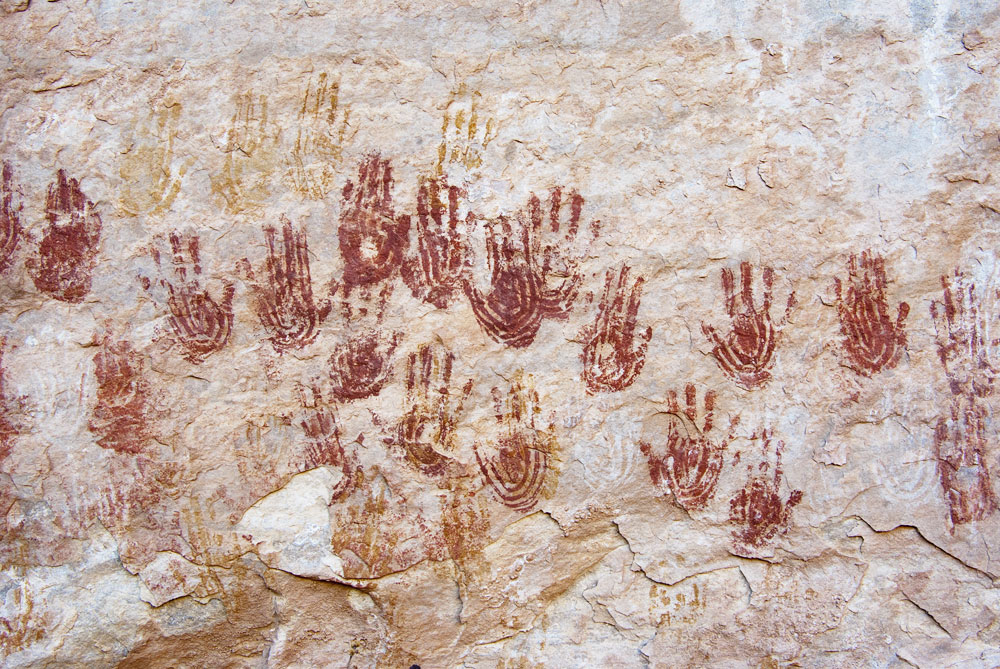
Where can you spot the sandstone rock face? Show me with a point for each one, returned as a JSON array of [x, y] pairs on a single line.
[[464, 334]]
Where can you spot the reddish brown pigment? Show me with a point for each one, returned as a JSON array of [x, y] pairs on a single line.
[[283, 298], [67, 254], [426, 431], [325, 449], [119, 417], [554, 261], [436, 272], [612, 354], [361, 367], [200, 324], [746, 353], [689, 463], [873, 341], [960, 446], [511, 312], [373, 241], [10, 217], [519, 467], [759, 508]]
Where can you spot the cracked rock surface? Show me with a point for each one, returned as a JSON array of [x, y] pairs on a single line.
[[466, 334]]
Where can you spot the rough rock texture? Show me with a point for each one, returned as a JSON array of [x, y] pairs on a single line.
[[468, 334]]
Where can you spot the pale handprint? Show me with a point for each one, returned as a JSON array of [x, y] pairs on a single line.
[[151, 182], [251, 153], [965, 340], [464, 135], [323, 130]]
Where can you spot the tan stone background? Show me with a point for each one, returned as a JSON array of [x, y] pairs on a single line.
[[701, 136]]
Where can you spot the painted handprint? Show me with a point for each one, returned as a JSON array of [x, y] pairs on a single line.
[[436, 271], [511, 312], [283, 296], [464, 136], [67, 253], [689, 463], [123, 393], [960, 446], [759, 509], [251, 154], [746, 354], [200, 324], [373, 240], [613, 352], [426, 431], [966, 340], [558, 248], [323, 130], [873, 341], [8, 430], [325, 447], [150, 181], [10, 217], [360, 366], [520, 468]]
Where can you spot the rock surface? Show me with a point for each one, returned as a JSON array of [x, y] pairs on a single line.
[[467, 334]]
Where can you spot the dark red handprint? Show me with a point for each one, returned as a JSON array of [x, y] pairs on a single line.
[[964, 342], [873, 341], [119, 418], [67, 253], [746, 354], [325, 447], [426, 431], [689, 463], [759, 508], [284, 299], [200, 324], [556, 252], [435, 273], [10, 217], [511, 312], [373, 240], [613, 354], [360, 366], [520, 468], [960, 446]]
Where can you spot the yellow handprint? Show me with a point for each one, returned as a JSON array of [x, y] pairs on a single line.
[[150, 180]]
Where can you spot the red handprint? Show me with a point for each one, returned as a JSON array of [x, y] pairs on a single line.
[[426, 431], [511, 312], [119, 417], [872, 340], [612, 354], [759, 507], [10, 217], [960, 447], [435, 274], [690, 463], [325, 448], [519, 470], [68, 250], [746, 354], [200, 324], [964, 341], [557, 259], [361, 365], [284, 300], [373, 240]]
